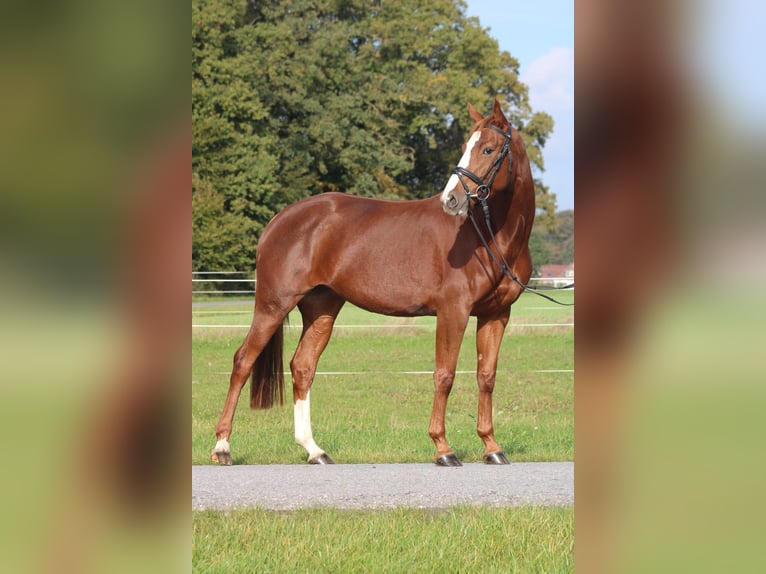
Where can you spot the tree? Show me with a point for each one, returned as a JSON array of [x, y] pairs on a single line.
[[553, 245], [220, 239], [561, 239], [538, 249], [291, 98]]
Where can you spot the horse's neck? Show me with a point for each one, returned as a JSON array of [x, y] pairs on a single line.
[[507, 223]]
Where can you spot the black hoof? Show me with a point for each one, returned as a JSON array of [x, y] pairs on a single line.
[[496, 458], [323, 458], [223, 458], [448, 460]]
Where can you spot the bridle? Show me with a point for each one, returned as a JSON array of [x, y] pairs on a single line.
[[484, 184], [481, 195]]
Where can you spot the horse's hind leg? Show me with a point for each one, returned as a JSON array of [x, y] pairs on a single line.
[[262, 329], [318, 309]]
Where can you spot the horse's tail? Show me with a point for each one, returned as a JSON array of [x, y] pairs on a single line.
[[268, 379]]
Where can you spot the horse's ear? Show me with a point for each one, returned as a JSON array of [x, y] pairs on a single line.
[[475, 116], [498, 117]]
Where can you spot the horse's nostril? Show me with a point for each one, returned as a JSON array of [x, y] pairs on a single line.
[[452, 202]]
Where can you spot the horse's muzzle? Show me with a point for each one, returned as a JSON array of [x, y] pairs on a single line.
[[452, 205]]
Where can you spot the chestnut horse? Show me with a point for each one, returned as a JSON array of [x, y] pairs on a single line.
[[402, 258]]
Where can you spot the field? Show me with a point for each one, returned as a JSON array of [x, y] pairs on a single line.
[[404, 540], [371, 403], [371, 399]]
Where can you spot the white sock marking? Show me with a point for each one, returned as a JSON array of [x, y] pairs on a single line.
[[303, 435], [222, 446]]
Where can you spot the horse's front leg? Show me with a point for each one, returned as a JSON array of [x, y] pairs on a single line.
[[449, 334], [489, 335]]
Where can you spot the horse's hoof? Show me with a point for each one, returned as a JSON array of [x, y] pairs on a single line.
[[496, 458], [221, 457], [323, 458], [450, 459], [221, 452]]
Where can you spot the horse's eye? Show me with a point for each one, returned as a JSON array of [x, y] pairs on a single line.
[[487, 150]]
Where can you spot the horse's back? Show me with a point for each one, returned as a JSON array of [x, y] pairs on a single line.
[[377, 254], [348, 218]]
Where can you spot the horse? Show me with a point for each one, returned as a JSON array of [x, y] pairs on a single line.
[[399, 258]]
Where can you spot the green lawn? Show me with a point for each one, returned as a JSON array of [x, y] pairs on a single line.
[[371, 401], [460, 539]]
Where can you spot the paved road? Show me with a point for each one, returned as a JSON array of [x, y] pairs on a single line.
[[381, 486]]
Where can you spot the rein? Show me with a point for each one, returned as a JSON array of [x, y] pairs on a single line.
[[481, 194], [505, 269]]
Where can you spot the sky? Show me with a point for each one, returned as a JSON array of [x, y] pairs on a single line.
[[726, 45], [540, 34], [726, 41]]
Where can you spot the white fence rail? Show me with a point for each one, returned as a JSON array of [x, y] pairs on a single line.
[[206, 278], [215, 282]]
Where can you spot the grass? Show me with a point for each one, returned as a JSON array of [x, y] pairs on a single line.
[[376, 413], [460, 539]]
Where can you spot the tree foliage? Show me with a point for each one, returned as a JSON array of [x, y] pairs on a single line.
[[553, 244], [291, 98], [219, 237]]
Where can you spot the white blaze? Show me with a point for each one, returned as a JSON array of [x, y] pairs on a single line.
[[453, 180], [303, 435]]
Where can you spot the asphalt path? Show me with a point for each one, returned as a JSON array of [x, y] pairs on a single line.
[[381, 486]]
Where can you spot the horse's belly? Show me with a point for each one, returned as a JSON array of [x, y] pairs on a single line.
[[388, 302]]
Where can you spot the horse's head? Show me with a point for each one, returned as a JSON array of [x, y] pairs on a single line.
[[480, 171]]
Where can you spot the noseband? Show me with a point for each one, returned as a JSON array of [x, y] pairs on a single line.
[[484, 184]]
